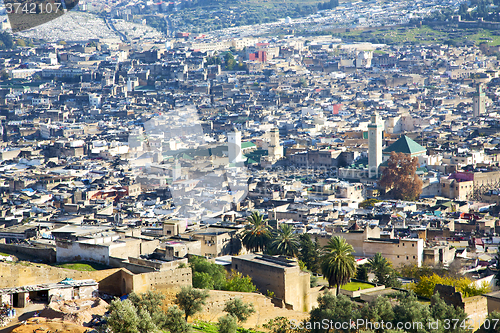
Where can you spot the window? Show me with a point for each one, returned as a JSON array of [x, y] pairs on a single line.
[[398, 257], [413, 257], [412, 245], [406, 257]]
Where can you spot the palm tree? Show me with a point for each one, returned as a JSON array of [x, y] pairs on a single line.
[[338, 264], [257, 236], [379, 266], [285, 241]]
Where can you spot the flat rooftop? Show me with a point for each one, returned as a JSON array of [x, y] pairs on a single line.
[[273, 261], [48, 286]]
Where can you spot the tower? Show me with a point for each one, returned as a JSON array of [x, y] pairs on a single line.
[[274, 150], [234, 146], [176, 171], [374, 145], [478, 102]]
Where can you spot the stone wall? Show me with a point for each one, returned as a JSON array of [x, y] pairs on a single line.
[[286, 281], [77, 251], [176, 277], [475, 307], [264, 308], [116, 281], [47, 255]]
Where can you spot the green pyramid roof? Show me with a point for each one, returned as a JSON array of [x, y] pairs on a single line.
[[405, 145]]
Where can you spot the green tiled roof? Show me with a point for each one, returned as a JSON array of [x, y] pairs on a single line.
[[405, 145], [256, 155], [247, 145]]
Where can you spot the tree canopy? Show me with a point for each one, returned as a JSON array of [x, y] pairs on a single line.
[[399, 178], [191, 300], [338, 264], [309, 253], [285, 241], [384, 273], [239, 309], [208, 275], [426, 285], [257, 235]]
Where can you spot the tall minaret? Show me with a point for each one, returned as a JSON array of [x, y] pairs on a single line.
[[375, 129], [275, 150], [234, 146], [478, 102]]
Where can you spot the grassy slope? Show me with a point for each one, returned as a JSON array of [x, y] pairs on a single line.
[[82, 266], [422, 35]]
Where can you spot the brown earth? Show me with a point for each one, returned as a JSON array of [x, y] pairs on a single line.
[[78, 311], [49, 325]]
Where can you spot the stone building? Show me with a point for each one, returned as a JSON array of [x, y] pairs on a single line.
[[279, 275]]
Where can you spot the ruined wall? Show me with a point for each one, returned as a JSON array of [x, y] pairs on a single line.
[[47, 255], [264, 308], [115, 281], [475, 307], [176, 277]]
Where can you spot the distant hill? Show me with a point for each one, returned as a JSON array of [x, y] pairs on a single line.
[[206, 15]]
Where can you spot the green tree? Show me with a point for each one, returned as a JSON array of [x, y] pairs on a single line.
[[338, 308], [4, 75], [425, 286], [6, 39], [227, 324], [309, 253], [237, 282], [377, 311], [441, 311], [146, 323], [256, 237], [497, 275], [191, 300], [229, 61], [150, 304], [362, 273], [239, 309], [410, 310], [338, 264], [207, 275], [175, 322], [122, 317], [285, 241], [384, 273], [279, 325]]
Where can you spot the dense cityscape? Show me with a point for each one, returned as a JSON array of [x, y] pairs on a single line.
[[244, 166]]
